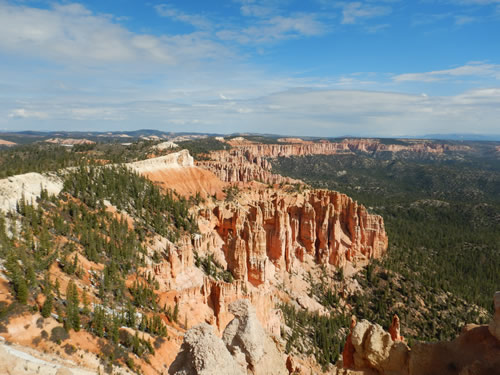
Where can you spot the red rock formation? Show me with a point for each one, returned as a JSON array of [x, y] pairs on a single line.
[[347, 145], [241, 166], [246, 160], [348, 352], [395, 329], [274, 228], [476, 351]]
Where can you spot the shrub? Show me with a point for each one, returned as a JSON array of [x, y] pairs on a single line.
[[59, 334]]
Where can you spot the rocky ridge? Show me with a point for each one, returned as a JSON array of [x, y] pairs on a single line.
[[347, 145], [3, 142], [239, 166], [247, 161], [30, 185], [70, 141]]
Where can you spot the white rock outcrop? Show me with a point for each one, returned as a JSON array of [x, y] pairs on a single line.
[[249, 344], [203, 353], [29, 185], [175, 160], [165, 145], [245, 348]]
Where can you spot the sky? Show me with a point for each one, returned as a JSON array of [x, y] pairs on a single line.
[[383, 68]]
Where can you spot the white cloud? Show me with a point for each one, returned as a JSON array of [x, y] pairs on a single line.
[[22, 113], [295, 111], [72, 33], [196, 20], [356, 11], [276, 28], [472, 69]]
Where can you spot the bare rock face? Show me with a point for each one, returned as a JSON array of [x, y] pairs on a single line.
[[494, 326], [374, 349], [476, 351], [395, 329], [244, 349], [203, 353], [347, 145], [29, 186], [175, 160], [241, 166], [249, 344], [275, 228]]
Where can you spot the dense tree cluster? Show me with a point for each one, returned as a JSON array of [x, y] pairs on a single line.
[[44, 157], [312, 333], [133, 193]]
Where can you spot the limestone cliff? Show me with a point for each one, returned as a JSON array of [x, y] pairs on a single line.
[[29, 186], [246, 161], [347, 145]]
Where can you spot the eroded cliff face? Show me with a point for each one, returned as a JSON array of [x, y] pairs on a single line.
[[246, 161], [272, 229], [347, 145], [239, 165]]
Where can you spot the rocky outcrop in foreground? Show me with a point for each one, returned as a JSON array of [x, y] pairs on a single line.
[[476, 351], [245, 348], [276, 228]]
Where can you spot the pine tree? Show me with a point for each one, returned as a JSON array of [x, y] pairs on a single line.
[[75, 314], [21, 289], [57, 288], [68, 323], [85, 301], [47, 306]]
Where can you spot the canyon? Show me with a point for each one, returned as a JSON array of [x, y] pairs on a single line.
[[262, 240]]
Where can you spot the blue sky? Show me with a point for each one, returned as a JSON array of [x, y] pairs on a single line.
[[319, 67]]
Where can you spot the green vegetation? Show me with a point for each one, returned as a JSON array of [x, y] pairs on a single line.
[[442, 217], [199, 148], [60, 232], [45, 157], [311, 333], [212, 268], [232, 193], [133, 193]]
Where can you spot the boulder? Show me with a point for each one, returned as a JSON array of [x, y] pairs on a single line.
[[203, 353], [249, 344]]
